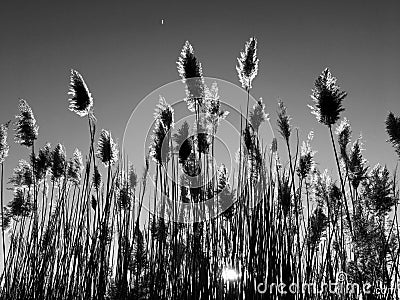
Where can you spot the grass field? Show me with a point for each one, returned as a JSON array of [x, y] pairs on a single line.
[[78, 228]]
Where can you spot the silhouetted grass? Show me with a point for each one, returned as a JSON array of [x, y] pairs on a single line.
[[76, 233]]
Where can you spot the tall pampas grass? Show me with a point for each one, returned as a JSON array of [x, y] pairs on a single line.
[[81, 100], [107, 150], [213, 110], [393, 130], [190, 70], [4, 148], [26, 129], [97, 243], [96, 178], [22, 175], [165, 114], [327, 98], [75, 167], [247, 67], [184, 143], [43, 162], [357, 165], [258, 115], [306, 160], [59, 163], [21, 203], [284, 126], [160, 147], [343, 131], [378, 190]]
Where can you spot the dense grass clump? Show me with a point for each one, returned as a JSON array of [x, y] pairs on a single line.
[[77, 232]]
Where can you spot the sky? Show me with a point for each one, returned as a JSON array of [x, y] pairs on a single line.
[[125, 53]]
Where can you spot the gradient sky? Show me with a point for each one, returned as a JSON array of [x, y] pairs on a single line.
[[125, 53]]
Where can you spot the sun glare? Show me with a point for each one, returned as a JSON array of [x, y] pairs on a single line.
[[229, 274]]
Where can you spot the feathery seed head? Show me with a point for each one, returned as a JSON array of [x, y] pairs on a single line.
[[213, 111], [321, 184], [22, 175], [75, 167], [107, 149], [357, 164], [59, 162], [393, 130], [160, 147], [285, 128], [189, 69], [344, 134], [21, 204], [80, 101], [211, 99], [184, 142], [43, 162], [258, 115], [378, 190], [96, 179], [3, 142], [26, 129], [327, 99], [306, 160], [165, 114], [247, 67], [164, 121]]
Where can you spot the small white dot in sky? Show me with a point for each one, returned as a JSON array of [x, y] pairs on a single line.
[[162, 21]]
